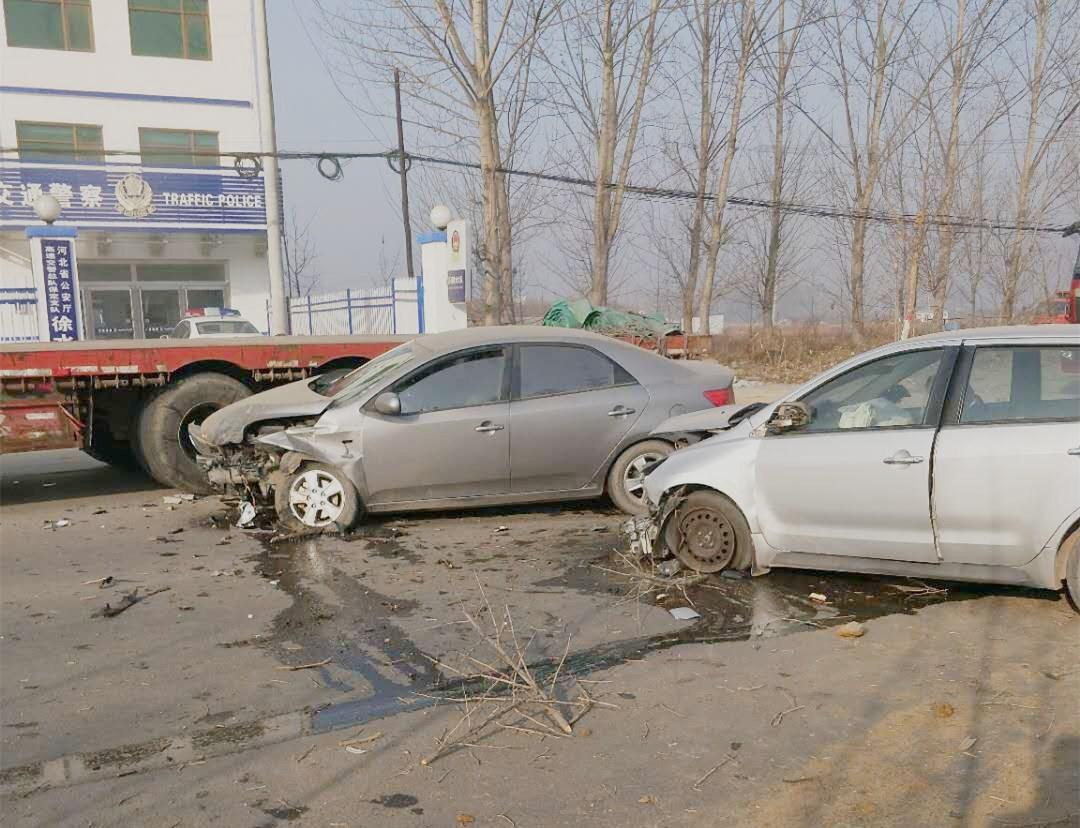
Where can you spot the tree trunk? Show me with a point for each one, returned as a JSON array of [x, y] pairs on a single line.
[[747, 37], [706, 122], [951, 172], [772, 261], [1015, 255]]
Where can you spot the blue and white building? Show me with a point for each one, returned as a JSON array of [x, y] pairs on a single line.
[[118, 109]]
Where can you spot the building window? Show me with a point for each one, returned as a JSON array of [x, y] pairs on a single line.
[[170, 28], [49, 24], [178, 148], [59, 142]]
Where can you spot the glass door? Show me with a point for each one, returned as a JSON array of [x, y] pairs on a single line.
[[110, 314], [161, 312]]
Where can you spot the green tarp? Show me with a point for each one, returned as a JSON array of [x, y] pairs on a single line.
[[579, 313]]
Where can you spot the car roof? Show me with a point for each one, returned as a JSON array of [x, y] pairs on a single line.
[[490, 335], [1002, 332]]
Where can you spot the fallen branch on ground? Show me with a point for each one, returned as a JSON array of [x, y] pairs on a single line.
[[508, 688]]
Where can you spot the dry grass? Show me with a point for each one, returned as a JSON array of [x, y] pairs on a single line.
[[793, 354]]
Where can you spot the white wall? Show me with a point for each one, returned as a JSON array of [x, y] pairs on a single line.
[[229, 75]]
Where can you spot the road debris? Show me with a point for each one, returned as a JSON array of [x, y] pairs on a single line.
[[355, 750], [247, 515], [101, 582], [967, 744], [669, 568], [852, 629], [697, 785], [506, 686], [819, 598], [57, 524], [501, 529], [684, 614], [311, 666], [177, 499], [127, 602]]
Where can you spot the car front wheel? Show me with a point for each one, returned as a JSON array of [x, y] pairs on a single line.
[[316, 496], [708, 533]]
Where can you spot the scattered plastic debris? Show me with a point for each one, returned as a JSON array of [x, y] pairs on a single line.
[[355, 750], [669, 567], [502, 529], [817, 596], [57, 524], [967, 744], [684, 614], [247, 515]]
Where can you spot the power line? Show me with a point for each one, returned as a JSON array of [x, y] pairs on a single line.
[[328, 164]]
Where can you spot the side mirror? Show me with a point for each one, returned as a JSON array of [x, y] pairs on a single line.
[[388, 403], [789, 416]]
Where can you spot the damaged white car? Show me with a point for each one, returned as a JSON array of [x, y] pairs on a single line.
[[477, 417], [951, 456]]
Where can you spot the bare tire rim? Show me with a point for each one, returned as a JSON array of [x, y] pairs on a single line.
[[316, 498], [706, 540], [633, 479]]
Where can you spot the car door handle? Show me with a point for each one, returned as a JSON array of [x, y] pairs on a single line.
[[487, 427], [621, 411], [1075, 452], [902, 458]]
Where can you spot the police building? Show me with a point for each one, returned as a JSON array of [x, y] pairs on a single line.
[[118, 108]]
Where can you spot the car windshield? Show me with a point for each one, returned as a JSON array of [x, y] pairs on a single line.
[[367, 374], [231, 326]]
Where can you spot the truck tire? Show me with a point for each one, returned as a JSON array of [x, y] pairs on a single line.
[[162, 440]]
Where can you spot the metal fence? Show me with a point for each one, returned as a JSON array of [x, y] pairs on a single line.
[[18, 315], [344, 312]]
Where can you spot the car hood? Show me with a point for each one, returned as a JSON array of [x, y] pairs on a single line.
[[709, 419], [284, 402]]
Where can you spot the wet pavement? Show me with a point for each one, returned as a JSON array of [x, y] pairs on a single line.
[[257, 641], [367, 620]]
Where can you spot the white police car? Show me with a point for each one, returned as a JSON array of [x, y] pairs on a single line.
[[211, 323]]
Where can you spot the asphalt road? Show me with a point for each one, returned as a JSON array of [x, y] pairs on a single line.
[[185, 708]]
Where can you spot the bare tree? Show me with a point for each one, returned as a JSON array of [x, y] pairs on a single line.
[[301, 273], [787, 45], [602, 71], [458, 61], [749, 33], [1052, 98], [865, 41]]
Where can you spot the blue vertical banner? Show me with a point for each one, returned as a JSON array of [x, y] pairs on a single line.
[[60, 310]]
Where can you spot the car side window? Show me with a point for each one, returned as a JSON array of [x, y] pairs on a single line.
[[545, 370], [182, 331], [890, 392], [1021, 384], [463, 380]]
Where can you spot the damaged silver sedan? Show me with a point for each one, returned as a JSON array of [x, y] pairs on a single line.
[[477, 417], [953, 456]]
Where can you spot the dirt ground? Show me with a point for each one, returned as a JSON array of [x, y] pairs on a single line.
[[959, 707]]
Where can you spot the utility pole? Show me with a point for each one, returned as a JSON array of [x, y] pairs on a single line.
[[403, 174], [279, 301]]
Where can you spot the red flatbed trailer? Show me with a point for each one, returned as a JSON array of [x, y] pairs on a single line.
[[128, 403]]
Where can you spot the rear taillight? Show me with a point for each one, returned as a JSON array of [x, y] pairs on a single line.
[[721, 396]]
